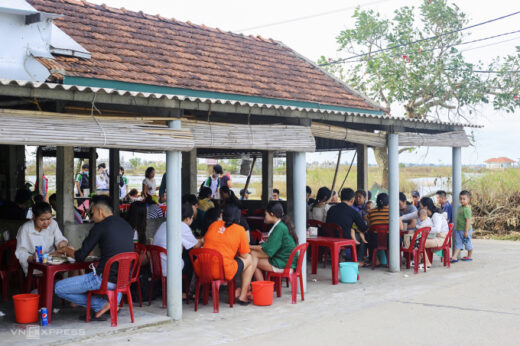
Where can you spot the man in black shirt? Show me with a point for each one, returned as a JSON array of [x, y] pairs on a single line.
[[114, 236], [344, 215], [17, 210]]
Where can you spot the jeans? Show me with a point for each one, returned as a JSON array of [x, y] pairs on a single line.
[[74, 290]]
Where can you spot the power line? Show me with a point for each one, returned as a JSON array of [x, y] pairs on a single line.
[[321, 14], [490, 44], [429, 50], [421, 40]]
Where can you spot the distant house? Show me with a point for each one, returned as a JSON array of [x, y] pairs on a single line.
[[499, 163]]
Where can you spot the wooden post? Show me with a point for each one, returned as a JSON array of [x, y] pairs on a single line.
[[248, 178], [290, 183], [92, 157], [39, 171], [16, 176], [189, 172], [114, 178], [362, 167], [267, 176], [65, 186]]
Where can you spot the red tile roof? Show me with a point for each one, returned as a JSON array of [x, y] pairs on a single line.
[[500, 160], [139, 48]]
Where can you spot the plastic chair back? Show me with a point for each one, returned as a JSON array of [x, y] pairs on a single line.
[[258, 212], [380, 229], [382, 240], [124, 261], [332, 230], [256, 236], [424, 235], [301, 249], [207, 259], [314, 223], [141, 250], [12, 264], [155, 259]]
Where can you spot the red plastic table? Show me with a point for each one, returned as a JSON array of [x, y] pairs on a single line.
[[46, 289], [334, 244]]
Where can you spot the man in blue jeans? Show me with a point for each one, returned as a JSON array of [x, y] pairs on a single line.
[[114, 236]]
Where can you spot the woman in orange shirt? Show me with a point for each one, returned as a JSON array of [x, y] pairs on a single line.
[[230, 239]]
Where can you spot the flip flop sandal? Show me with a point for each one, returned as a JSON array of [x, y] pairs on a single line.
[[466, 259], [454, 261], [93, 318], [239, 302]]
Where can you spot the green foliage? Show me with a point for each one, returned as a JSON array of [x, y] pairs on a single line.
[[135, 162], [421, 74]]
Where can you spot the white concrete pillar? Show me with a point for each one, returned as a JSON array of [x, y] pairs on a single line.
[[299, 203], [173, 230], [456, 167], [65, 186], [393, 194]]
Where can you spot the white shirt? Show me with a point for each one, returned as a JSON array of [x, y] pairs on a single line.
[[28, 238], [102, 182], [319, 213], [150, 186], [188, 240], [213, 186], [425, 223], [440, 223]]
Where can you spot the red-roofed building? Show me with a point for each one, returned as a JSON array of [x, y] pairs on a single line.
[[499, 163]]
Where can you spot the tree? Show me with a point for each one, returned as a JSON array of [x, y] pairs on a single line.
[[135, 162], [413, 61]]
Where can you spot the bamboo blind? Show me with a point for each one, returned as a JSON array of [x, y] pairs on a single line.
[[58, 129], [446, 139], [348, 135], [251, 137]]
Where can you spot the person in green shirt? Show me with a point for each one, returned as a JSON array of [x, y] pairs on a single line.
[[463, 230], [272, 256]]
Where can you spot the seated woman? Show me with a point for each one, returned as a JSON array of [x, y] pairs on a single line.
[[272, 256], [439, 228], [42, 231], [376, 217], [154, 211], [205, 201], [321, 206]]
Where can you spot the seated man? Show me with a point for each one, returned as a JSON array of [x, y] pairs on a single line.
[[42, 231], [188, 242], [114, 236], [18, 209], [230, 239], [345, 215]]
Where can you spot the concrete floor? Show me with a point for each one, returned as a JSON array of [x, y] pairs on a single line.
[[471, 303]]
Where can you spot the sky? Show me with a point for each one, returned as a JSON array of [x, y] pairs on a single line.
[[311, 28]]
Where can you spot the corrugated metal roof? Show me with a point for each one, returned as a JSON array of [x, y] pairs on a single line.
[[231, 102]]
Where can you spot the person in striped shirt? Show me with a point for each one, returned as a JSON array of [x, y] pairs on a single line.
[[380, 214]]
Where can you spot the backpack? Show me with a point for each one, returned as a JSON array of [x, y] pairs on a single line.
[[85, 184]]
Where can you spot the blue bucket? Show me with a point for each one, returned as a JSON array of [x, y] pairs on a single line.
[[381, 255], [348, 272]]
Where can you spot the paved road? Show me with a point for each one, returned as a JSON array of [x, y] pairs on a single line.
[[474, 303]]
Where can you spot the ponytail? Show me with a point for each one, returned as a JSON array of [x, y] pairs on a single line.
[[322, 196], [292, 230]]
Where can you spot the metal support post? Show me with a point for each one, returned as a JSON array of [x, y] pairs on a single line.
[[393, 192], [299, 204]]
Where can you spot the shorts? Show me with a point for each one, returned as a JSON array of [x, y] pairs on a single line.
[[278, 270], [459, 240], [240, 268]]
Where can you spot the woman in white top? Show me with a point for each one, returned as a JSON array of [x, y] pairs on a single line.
[[439, 229], [321, 206], [102, 181], [42, 231], [149, 186]]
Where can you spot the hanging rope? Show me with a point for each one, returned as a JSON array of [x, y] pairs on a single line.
[[348, 172]]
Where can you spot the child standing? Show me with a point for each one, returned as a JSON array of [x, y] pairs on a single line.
[[463, 230]]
